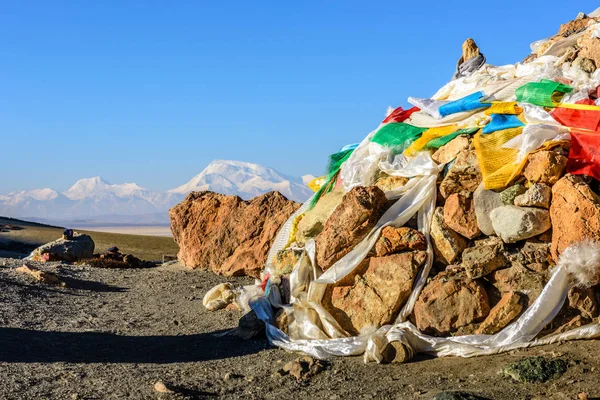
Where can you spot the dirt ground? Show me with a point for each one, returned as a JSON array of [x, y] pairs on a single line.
[[112, 334]]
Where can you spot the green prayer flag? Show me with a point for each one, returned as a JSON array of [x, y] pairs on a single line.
[[545, 93], [397, 135], [439, 142]]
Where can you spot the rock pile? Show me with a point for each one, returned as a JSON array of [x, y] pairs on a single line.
[[498, 185], [113, 258], [493, 248]]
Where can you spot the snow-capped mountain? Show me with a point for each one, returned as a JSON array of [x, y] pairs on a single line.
[[90, 198], [306, 179], [245, 180], [94, 199]]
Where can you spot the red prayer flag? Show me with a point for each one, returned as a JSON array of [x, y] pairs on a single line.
[[400, 115], [574, 118], [584, 156]]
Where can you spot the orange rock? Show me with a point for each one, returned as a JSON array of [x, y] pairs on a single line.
[[226, 234], [449, 302], [545, 167], [447, 244], [469, 50], [349, 223], [394, 240], [508, 308], [574, 26], [450, 150], [459, 215], [589, 47], [517, 278], [375, 291], [485, 257], [463, 176], [41, 276], [574, 212]]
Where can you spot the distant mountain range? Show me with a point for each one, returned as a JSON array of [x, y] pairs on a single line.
[[95, 201]]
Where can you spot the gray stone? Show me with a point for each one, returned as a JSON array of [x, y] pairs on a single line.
[[538, 195], [513, 223], [80, 247], [485, 201]]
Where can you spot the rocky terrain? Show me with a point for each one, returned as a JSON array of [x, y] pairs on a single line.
[[113, 334]]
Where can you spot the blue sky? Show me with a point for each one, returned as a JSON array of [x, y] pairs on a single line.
[[151, 92]]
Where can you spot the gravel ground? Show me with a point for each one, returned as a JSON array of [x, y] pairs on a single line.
[[112, 334]]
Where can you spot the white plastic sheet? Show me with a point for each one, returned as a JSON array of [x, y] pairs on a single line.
[[534, 136], [361, 167]]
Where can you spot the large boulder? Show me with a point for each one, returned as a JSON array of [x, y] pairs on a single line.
[[449, 302], [226, 234], [78, 248], [349, 223], [374, 293], [575, 213]]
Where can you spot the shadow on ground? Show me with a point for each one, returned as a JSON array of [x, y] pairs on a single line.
[[30, 346], [94, 286], [72, 283]]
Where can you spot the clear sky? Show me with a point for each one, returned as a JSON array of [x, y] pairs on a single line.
[[152, 91]]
